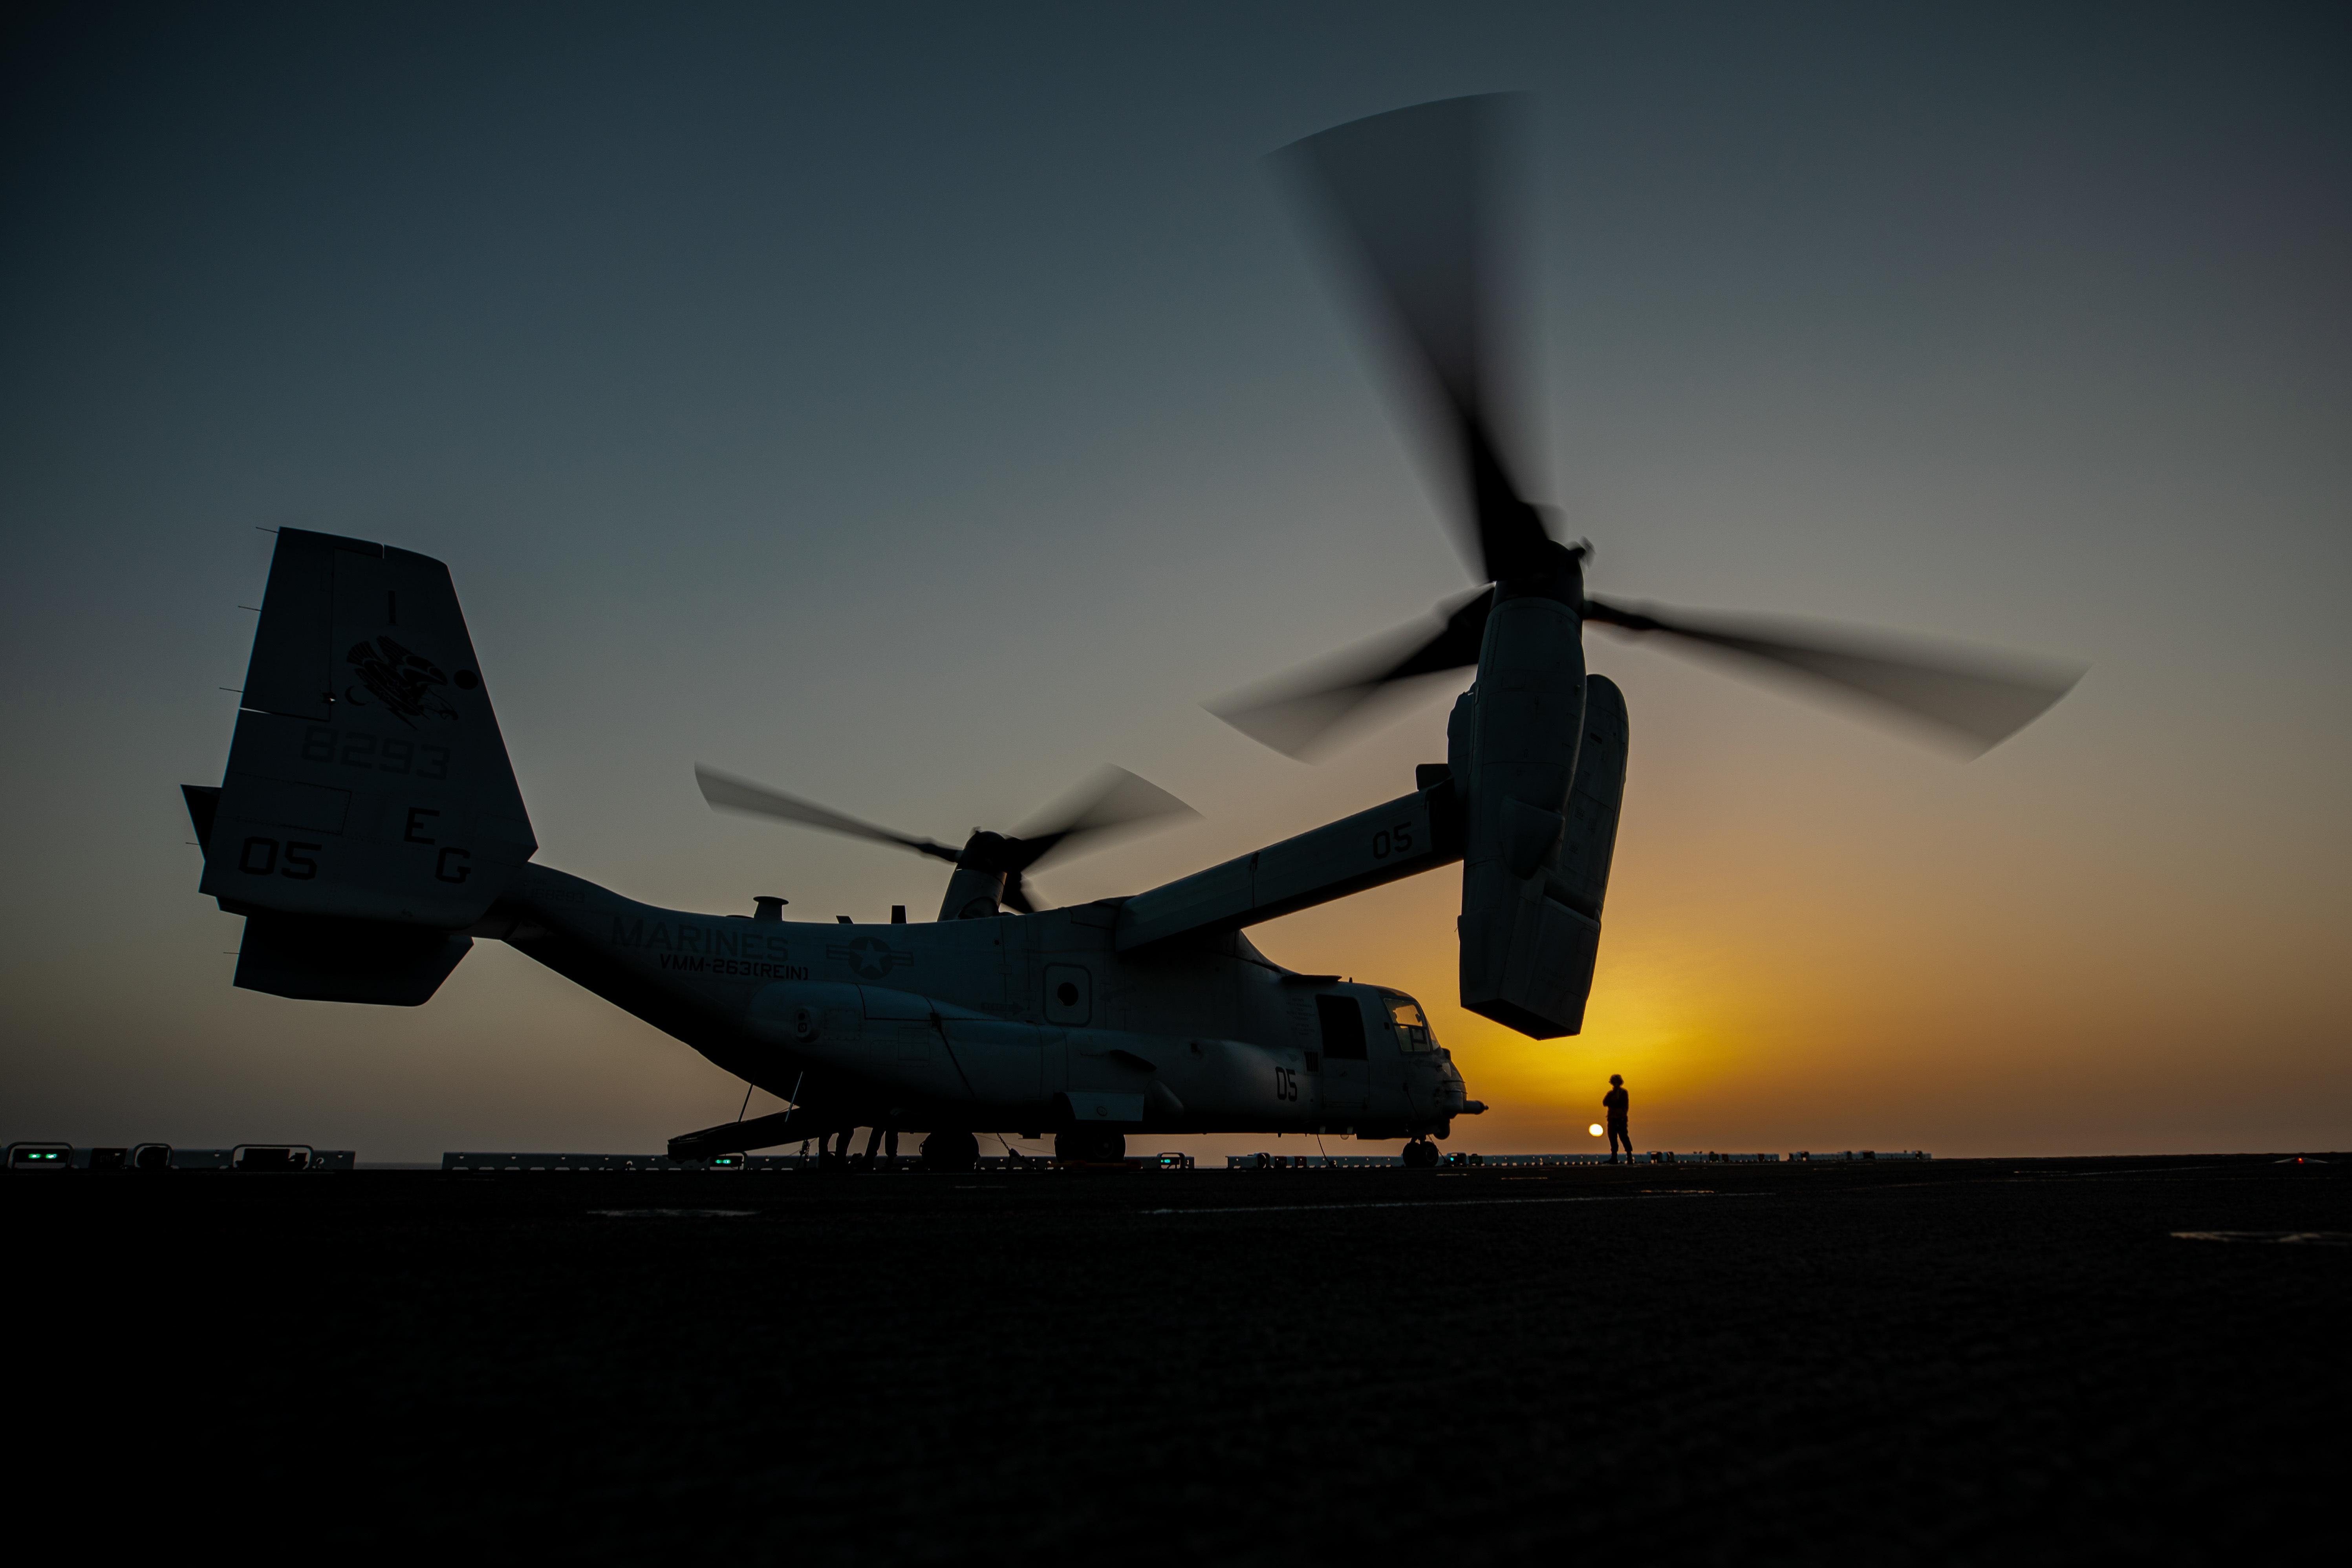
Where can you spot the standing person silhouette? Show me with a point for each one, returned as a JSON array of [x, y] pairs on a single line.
[[1614, 1103]]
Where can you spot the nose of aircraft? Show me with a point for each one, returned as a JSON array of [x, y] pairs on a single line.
[[1453, 1094]]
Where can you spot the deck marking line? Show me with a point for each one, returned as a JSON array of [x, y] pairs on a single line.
[[2153, 1170], [1437, 1204]]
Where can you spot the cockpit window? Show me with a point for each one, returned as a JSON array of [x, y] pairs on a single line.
[[1411, 1029]]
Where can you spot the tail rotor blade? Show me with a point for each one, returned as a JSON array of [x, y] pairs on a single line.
[[1310, 711], [731, 793], [1975, 699]]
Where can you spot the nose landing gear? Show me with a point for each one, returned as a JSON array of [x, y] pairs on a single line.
[[1420, 1155]]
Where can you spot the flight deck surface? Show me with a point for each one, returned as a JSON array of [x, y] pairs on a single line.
[[1955, 1361]]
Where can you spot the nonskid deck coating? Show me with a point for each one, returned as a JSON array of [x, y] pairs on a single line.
[[1961, 1361]]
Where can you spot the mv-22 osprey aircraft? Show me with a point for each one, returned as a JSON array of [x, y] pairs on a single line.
[[370, 827]]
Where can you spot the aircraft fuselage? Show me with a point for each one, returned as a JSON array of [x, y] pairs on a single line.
[[1007, 1023]]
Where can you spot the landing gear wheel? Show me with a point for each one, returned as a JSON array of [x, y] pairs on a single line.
[[951, 1152], [1090, 1146], [1420, 1155]]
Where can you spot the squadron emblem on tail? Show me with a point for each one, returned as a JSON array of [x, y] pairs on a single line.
[[402, 681]]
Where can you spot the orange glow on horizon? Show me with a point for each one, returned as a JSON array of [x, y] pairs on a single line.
[[1758, 1001]]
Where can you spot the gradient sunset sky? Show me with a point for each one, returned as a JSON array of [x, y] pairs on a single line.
[[915, 407]]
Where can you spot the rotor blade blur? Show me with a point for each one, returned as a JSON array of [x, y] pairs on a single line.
[[1975, 699], [1310, 711], [731, 793], [1411, 194], [1111, 800]]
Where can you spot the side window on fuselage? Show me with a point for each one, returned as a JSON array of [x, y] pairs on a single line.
[[1343, 1027]]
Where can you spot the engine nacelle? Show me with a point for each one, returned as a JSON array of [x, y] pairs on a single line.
[[1538, 752]]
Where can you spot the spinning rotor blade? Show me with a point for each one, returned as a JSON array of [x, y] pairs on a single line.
[[1410, 193], [1302, 713], [741, 795], [1977, 700], [1111, 800], [1412, 197]]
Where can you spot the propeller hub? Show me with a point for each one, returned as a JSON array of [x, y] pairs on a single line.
[[986, 851], [1549, 571]]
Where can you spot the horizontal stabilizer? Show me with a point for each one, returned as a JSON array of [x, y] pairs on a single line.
[[314, 960]]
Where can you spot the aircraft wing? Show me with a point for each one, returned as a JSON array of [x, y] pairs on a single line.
[[1398, 839]]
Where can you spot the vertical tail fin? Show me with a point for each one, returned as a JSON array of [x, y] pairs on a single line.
[[367, 781]]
